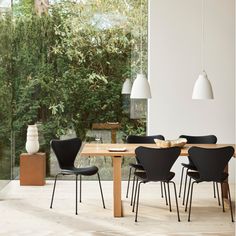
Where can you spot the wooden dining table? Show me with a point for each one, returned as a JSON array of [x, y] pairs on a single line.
[[112, 150]]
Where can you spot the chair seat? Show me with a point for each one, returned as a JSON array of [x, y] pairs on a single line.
[[80, 171], [189, 166], [136, 166], [196, 177], [143, 176]]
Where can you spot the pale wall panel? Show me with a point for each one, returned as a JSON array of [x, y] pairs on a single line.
[[175, 33]]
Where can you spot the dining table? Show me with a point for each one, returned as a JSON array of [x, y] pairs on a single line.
[[122, 150]]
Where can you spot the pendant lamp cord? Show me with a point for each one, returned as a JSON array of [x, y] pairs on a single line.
[[141, 38], [203, 35]]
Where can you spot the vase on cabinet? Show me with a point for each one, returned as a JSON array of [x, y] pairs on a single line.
[[32, 139]]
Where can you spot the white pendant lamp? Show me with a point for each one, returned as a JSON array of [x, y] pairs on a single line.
[[202, 88], [141, 88], [126, 88]]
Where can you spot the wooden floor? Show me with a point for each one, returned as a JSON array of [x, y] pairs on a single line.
[[25, 211], [3, 183]]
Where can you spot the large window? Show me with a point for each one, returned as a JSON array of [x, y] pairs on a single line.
[[65, 67]]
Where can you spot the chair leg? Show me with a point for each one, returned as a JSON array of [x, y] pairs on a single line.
[[185, 185], [176, 200], [165, 193], [99, 181], [161, 190], [230, 203], [190, 202], [135, 193], [181, 180], [132, 194], [214, 190], [186, 204], [127, 193], [80, 188], [222, 197], [136, 214], [168, 188], [217, 190], [76, 194], [54, 186]]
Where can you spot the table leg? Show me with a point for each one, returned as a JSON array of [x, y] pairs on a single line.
[[113, 136], [117, 204]]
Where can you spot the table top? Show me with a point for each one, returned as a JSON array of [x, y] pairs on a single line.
[[107, 125], [102, 149], [34, 154]]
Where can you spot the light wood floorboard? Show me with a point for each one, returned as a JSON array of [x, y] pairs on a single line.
[[25, 211]]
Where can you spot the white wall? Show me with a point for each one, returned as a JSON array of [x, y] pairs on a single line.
[[175, 36]]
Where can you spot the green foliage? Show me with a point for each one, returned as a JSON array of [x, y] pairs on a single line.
[[136, 127], [6, 79], [23, 8], [66, 69]]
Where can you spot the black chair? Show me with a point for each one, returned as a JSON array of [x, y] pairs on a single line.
[[157, 164], [137, 166], [66, 152], [207, 139], [210, 165]]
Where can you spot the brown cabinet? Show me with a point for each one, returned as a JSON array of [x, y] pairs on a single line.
[[32, 169]]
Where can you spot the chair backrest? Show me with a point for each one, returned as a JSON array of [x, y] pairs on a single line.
[[66, 151], [206, 139], [210, 162], [143, 139], [157, 162]]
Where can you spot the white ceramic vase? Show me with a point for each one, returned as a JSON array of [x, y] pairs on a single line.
[[32, 140]]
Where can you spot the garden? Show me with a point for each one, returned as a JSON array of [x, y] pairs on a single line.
[[64, 69]]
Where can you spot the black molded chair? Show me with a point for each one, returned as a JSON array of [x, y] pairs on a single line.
[[210, 165], [207, 139], [157, 164], [66, 152], [137, 166]]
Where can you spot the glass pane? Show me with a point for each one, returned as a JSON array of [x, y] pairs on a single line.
[[65, 72], [5, 104]]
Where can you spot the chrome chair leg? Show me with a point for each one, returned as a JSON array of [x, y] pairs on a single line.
[[80, 188], [190, 202], [99, 181], [54, 186], [168, 188], [217, 190], [136, 213], [181, 180], [165, 193], [161, 190], [214, 190], [186, 204], [176, 200], [135, 193], [222, 197], [132, 194], [185, 185], [76, 194], [127, 193]]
